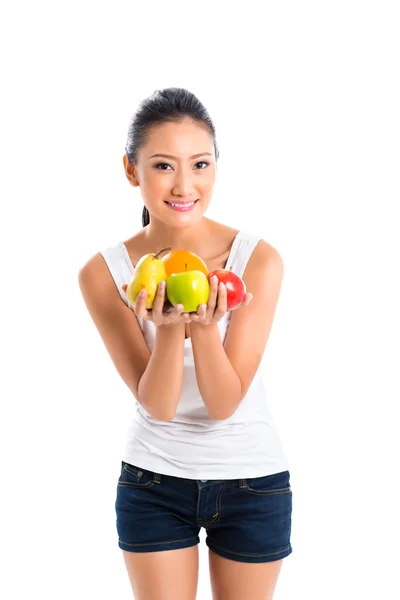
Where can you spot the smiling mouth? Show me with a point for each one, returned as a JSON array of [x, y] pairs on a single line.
[[182, 204]]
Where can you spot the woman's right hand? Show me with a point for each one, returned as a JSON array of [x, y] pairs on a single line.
[[156, 313]]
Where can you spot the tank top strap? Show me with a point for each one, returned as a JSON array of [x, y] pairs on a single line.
[[243, 246], [119, 266]]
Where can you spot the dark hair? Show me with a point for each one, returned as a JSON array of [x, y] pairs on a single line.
[[170, 104]]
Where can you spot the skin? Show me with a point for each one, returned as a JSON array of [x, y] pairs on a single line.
[[178, 179]]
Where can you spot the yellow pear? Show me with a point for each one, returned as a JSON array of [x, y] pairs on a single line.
[[149, 271]]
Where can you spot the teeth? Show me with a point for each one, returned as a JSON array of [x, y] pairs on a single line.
[[185, 205]]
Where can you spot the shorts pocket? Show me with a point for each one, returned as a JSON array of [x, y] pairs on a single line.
[[133, 476], [269, 485]]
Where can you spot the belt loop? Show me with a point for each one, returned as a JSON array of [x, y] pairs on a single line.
[[156, 477], [242, 483]]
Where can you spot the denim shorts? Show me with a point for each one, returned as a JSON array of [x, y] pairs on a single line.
[[247, 520]]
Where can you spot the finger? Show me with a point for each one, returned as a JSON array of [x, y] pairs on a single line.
[[182, 317], [202, 311], [212, 298], [194, 315], [222, 301], [158, 301], [140, 305], [124, 287], [246, 300], [176, 313]]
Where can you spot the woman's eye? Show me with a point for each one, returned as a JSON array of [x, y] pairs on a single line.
[[202, 162]]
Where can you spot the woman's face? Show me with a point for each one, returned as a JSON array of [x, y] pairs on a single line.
[[180, 177]]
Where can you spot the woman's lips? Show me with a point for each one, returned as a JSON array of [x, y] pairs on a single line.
[[183, 207]]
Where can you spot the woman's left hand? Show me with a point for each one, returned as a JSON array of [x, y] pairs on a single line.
[[216, 307]]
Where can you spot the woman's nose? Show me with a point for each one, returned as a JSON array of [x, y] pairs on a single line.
[[183, 186]]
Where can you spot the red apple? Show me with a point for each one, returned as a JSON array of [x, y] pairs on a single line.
[[235, 286]]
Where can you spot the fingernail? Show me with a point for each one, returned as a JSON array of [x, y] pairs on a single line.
[[142, 293], [179, 306], [162, 284]]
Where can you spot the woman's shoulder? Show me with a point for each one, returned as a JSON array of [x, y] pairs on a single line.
[[223, 234]]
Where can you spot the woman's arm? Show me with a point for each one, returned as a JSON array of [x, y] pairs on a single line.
[[219, 384], [160, 386], [225, 371], [155, 379]]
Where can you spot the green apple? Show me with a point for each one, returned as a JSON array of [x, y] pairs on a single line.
[[189, 288]]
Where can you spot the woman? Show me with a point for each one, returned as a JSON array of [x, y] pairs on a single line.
[[202, 450]]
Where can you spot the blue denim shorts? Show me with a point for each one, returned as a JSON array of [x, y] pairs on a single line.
[[247, 520]]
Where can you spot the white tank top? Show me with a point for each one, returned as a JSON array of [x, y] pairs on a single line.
[[192, 445]]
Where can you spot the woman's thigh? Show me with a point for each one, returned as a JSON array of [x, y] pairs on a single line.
[[165, 575], [234, 580]]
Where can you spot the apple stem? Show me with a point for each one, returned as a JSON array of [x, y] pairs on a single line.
[[230, 268], [185, 266], [163, 250]]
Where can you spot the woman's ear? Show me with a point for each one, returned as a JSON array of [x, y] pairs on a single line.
[[130, 171]]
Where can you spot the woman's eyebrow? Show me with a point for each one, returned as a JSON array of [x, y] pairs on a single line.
[[175, 158]]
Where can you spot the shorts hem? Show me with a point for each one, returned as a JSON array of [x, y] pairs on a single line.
[[159, 546], [250, 558]]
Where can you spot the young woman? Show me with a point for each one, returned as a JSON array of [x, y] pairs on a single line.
[[202, 449]]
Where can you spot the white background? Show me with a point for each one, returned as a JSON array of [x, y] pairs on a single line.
[[305, 100]]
